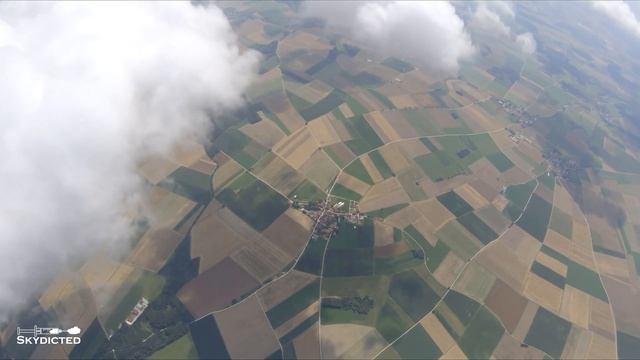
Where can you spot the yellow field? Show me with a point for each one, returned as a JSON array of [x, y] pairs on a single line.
[[437, 332], [382, 127], [394, 157], [264, 132], [381, 195], [435, 212], [470, 195], [552, 263], [575, 306], [543, 292], [296, 148], [323, 131], [448, 269]]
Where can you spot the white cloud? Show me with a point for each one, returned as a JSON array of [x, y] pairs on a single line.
[[429, 32], [489, 20], [526, 42], [88, 90], [621, 13]]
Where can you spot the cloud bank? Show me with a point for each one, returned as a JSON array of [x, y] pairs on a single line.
[[429, 32], [620, 12], [88, 90], [491, 16]]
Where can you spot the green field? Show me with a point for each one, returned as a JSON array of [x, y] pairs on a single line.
[[548, 274], [394, 264], [455, 203], [253, 201], [364, 138], [477, 227], [189, 183], [182, 348], [417, 344], [433, 254], [548, 332], [500, 161], [390, 323], [307, 191], [454, 236], [481, 336], [344, 192], [357, 170], [415, 297], [463, 307], [535, 218], [397, 64], [311, 259], [518, 195], [295, 303], [561, 222], [578, 275], [381, 164], [628, 346], [384, 212], [348, 262], [352, 236]]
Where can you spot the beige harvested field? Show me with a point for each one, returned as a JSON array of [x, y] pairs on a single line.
[[524, 91], [154, 249], [448, 270], [575, 306], [216, 288], [577, 344], [601, 348], [205, 166], [324, 132], [552, 263], [455, 353], [262, 258], [624, 300], [280, 105], [274, 171], [338, 338], [403, 217], [470, 195], [600, 317], [427, 230], [500, 202], [403, 101], [346, 110], [500, 260], [437, 332], [297, 319], [368, 346], [157, 168], [391, 249], [487, 191], [290, 232], [506, 303], [522, 245], [526, 320], [382, 195], [306, 345], [371, 169], [353, 183], [278, 291], [383, 234], [475, 282], [510, 348], [365, 99], [246, 331], [613, 266], [167, 208], [97, 272], [543, 292], [382, 126], [296, 148], [264, 132], [320, 169], [225, 173], [435, 212], [494, 218], [400, 123], [343, 153], [211, 239], [394, 157], [413, 148]]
